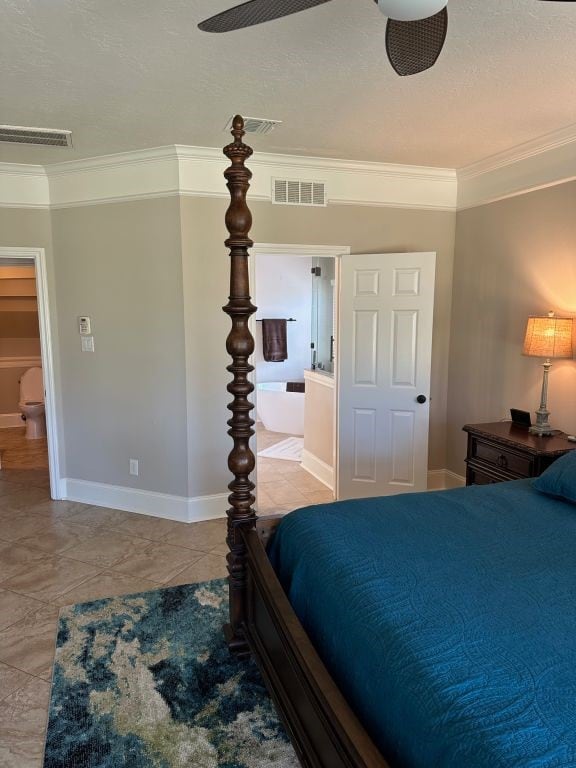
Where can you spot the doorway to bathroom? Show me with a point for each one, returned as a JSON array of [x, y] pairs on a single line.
[[28, 439], [366, 380], [295, 288]]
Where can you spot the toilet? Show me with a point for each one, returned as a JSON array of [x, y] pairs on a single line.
[[32, 403]]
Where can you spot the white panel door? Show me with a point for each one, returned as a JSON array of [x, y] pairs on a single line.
[[385, 349]]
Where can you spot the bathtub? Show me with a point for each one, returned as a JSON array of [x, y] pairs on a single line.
[[278, 410]]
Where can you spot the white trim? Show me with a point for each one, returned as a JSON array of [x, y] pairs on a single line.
[[475, 198], [347, 182], [318, 468], [118, 199], [443, 479], [113, 178], [537, 164], [23, 186], [38, 255], [524, 151], [186, 510], [197, 171], [21, 362], [297, 249], [10, 420], [453, 480]]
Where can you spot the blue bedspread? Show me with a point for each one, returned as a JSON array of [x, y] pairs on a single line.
[[448, 619]]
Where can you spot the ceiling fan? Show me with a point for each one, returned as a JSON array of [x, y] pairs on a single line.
[[415, 32]]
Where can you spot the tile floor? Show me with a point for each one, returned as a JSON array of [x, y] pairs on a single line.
[[284, 485], [55, 553], [18, 453]]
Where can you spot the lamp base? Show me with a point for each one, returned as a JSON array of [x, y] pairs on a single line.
[[543, 431], [542, 426]]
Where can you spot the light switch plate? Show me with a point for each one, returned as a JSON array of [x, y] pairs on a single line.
[[87, 343]]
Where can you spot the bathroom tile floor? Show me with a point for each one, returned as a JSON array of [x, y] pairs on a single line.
[[18, 453], [283, 485]]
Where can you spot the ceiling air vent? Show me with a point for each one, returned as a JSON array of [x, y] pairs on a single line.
[[255, 125], [46, 137], [287, 192]]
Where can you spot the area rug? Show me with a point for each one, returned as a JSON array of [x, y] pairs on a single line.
[[146, 681], [289, 449]]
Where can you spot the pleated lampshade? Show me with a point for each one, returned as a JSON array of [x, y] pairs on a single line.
[[549, 336]]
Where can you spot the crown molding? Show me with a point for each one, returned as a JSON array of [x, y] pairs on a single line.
[[197, 171], [114, 161], [310, 163], [23, 186], [114, 178], [347, 182], [537, 164], [524, 151]]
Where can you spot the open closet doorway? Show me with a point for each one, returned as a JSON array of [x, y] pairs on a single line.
[[28, 437], [295, 288]]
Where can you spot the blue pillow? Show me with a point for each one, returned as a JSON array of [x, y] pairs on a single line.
[[560, 478]]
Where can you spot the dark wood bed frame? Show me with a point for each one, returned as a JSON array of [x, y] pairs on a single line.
[[323, 729]]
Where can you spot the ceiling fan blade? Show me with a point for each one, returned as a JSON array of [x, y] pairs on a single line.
[[414, 46], [255, 12]]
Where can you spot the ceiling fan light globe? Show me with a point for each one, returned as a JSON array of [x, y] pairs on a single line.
[[410, 10]]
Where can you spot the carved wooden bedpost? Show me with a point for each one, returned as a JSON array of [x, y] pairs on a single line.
[[240, 346]]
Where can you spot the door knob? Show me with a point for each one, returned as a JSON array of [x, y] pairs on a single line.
[[421, 399]]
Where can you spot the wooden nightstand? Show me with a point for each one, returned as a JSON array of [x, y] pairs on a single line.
[[504, 451]]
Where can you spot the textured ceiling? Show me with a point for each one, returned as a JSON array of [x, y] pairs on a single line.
[[130, 74]]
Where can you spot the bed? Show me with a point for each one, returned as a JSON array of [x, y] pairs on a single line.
[[418, 630]]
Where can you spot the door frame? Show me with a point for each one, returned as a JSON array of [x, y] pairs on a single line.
[[306, 251], [38, 256]]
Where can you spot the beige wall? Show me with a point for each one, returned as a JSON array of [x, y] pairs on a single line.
[[513, 258], [365, 229], [121, 265], [155, 387]]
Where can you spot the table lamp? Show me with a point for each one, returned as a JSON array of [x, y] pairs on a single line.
[[549, 337]]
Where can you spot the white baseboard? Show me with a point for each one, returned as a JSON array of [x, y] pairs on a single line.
[[186, 510], [318, 468], [443, 479], [11, 420], [199, 508]]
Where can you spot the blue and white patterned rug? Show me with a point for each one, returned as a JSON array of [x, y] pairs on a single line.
[[146, 681]]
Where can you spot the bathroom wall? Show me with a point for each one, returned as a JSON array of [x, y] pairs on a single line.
[[284, 289], [10, 389], [19, 332]]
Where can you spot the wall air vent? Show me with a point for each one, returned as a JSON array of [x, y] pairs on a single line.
[[287, 192], [46, 137], [255, 125]]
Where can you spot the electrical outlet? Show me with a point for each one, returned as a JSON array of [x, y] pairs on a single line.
[[134, 466]]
